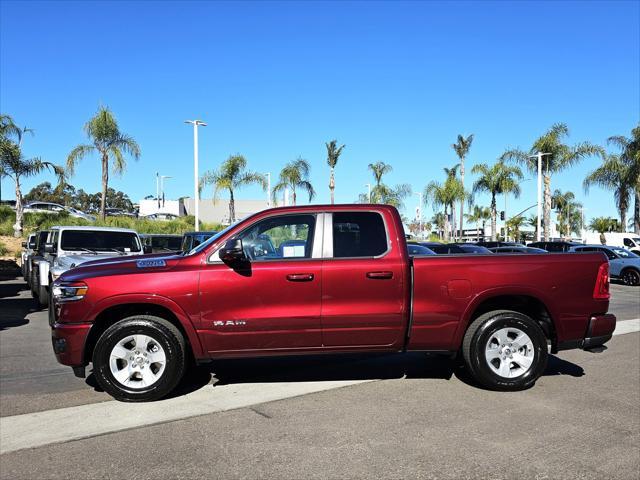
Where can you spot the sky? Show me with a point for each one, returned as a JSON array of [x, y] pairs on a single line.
[[394, 81]]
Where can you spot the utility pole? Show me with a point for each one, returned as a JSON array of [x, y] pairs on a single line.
[[539, 156], [268, 189], [158, 190], [419, 194], [368, 185], [162, 177], [196, 179]]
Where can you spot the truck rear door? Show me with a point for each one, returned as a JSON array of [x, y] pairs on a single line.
[[364, 288]]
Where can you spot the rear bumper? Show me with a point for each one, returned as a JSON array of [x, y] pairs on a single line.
[[599, 331]]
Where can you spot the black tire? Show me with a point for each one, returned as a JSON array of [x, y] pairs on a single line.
[[480, 333], [167, 336], [630, 277], [43, 295]]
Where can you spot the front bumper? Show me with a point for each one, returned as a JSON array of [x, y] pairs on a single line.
[[68, 342], [599, 331]]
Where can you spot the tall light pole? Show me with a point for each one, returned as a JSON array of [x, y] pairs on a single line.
[[419, 194], [158, 190], [368, 185], [196, 179], [162, 177], [268, 189], [539, 156]]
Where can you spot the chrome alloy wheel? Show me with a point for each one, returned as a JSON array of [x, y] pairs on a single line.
[[509, 352], [137, 361]]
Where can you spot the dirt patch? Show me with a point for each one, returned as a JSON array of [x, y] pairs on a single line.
[[13, 246]]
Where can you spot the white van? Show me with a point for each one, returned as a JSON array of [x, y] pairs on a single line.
[[628, 240]]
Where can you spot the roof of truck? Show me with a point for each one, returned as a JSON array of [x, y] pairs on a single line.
[[94, 229]]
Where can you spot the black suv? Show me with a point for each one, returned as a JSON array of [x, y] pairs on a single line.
[[554, 246]]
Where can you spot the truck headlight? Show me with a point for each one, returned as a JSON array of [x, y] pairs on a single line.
[[69, 292]]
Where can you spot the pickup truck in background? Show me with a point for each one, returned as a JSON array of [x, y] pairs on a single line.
[[68, 247], [337, 278]]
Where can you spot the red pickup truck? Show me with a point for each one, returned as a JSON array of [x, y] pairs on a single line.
[[323, 279]]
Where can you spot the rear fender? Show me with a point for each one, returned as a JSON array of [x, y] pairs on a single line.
[[157, 300], [511, 290]]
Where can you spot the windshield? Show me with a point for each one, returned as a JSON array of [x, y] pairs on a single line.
[[623, 253], [211, 240], [99, 241]]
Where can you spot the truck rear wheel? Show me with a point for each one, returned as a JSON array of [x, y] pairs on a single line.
[[139, 358], [505, 350], [43, 295]]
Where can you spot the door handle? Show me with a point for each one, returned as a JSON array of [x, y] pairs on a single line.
[[300, 277], [380, 275]]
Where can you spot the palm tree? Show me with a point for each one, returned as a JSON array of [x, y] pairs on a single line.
[[498, 179], [569, 211], [532, 221], [379, 169], [602, 225], [295, 175], [445, 195], [109, 143], [614, 175], [479, 214], [560, 157], [514, 224], [452, 173], [439, 220], [462, 147], [630, 158], [15, 166], [231, 176], [333, 153]]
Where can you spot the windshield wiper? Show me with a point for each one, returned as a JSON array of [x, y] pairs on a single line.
[[83, 249], [114, 250]]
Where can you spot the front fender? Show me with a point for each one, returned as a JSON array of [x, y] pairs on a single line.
[[158, 300]]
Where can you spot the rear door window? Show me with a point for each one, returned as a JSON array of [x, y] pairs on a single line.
[[358, 234]]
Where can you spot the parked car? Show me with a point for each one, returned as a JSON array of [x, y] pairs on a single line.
[[34, 260], [68, 247], [355, 289], [119, 212], [161, 242], [190, 240], [50, 207], [28, 247], [624, 265], [628, 240], [161, 216], [554, 246], [472, 248], [517, 250], [493, 244], [415, 249]]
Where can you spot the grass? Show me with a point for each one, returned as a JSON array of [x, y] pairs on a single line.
[[3, 249], [42, 221]]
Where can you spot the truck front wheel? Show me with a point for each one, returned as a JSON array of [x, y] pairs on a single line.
[[139, 358], [505, 350]]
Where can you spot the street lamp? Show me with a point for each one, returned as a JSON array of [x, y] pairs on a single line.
[[196, 179], [162, 177], [419, 194], [539, 156], [268, 175], [368, 185]]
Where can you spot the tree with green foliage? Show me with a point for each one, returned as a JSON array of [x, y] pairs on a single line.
[[333, 154], [462, 147], [295, 175], [478, 215], [514, 224], [382, 193], [14, 165], [630, 160], [603, 225], [497, 179], [231, 176], [109, 143], [560, 157], [569, 212], [614, 175], [445, 195]]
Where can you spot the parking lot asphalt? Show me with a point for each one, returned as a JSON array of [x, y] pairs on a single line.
[[347, 416]]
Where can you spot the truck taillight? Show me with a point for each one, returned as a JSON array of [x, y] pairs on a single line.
[[601, 290]]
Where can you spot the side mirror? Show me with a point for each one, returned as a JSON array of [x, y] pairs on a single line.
[[32, 245], [147, 249], [49, 248], [232, 252]]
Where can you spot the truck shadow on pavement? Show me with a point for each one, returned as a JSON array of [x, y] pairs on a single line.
[[14, 312], [318, 368]]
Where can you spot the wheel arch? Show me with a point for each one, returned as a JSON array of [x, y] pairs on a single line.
[[118, 311], [526, 302]]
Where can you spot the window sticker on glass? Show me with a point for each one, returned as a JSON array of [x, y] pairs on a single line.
[[293, 251]]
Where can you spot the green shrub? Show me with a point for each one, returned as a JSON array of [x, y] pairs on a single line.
[[3, 249]]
